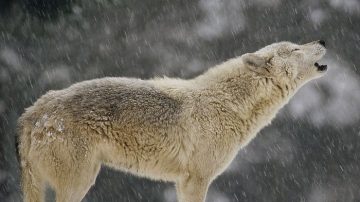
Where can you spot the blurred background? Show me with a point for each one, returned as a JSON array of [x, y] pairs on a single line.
[[311, 152]]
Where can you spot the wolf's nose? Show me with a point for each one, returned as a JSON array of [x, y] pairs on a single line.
[[322, 42]]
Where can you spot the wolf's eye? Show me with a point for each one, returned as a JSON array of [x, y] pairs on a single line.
[[295, 49]]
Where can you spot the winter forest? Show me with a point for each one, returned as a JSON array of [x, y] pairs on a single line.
[[310, 152]]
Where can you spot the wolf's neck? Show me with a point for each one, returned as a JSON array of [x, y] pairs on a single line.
[[260, 102], [255, 99]]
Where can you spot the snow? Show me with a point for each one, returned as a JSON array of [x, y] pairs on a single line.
[[11, 58], [220, 17], [57, 74], [351, 6], [272, 147], [60, 125], [42, 121], [309, 152], [332, 99], [318, 16], [49, 133], [2, 107]]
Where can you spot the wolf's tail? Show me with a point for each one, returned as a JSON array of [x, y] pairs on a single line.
[[22, 139]]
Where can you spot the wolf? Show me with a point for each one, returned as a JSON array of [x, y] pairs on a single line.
[[169, 129]]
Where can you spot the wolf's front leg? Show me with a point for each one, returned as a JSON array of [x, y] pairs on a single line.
[[192, 188]]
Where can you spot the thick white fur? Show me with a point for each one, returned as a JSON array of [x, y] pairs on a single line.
[[184, 131]]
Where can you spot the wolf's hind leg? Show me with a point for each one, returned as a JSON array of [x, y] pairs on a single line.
[[74, 186], [32, 184]]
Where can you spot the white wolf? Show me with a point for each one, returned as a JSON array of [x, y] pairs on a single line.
[[184, 131]]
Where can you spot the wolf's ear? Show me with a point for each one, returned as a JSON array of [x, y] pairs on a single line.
[[254, 62]]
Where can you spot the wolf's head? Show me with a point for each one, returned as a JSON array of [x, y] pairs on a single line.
[[288, 62]]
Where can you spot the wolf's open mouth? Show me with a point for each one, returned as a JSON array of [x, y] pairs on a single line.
[[320, 68]]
